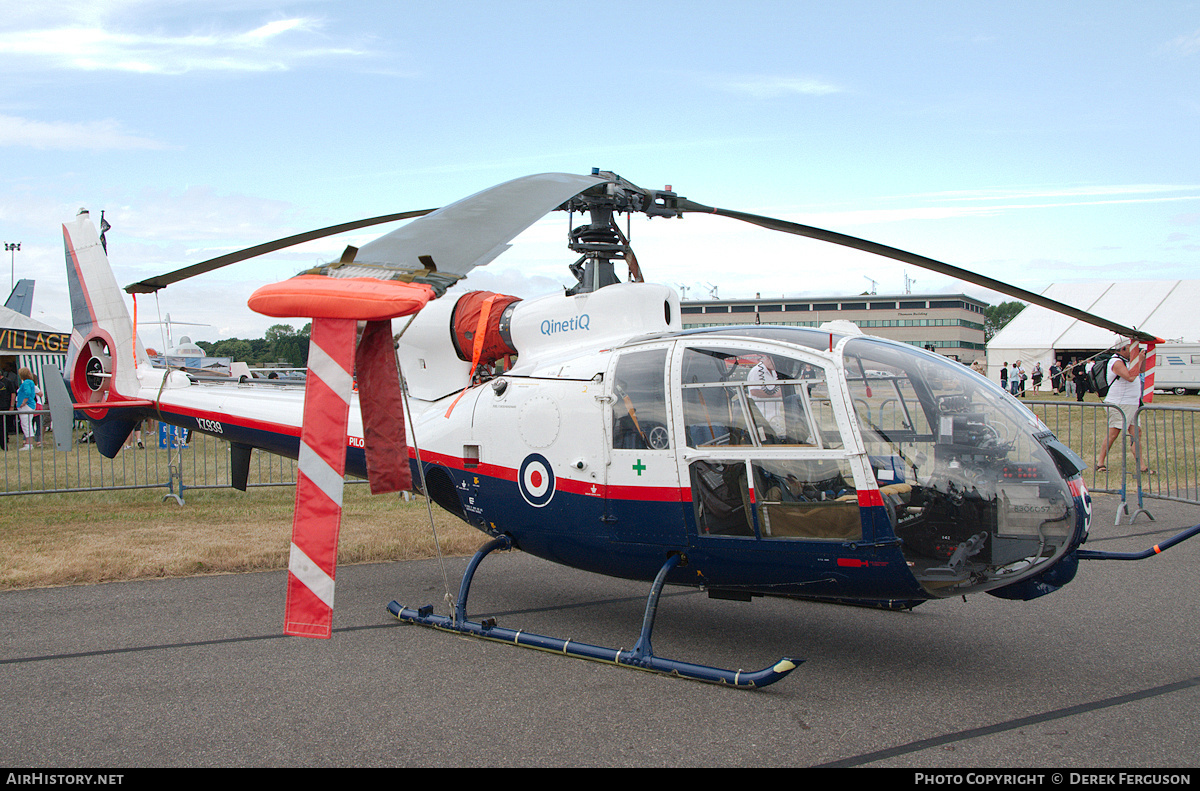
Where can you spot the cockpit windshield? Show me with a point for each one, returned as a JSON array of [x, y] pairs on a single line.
[[975, 497]]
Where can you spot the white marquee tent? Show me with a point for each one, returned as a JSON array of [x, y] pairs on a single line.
[[1169, 309]]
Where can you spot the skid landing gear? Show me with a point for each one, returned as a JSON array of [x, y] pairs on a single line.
[[641, 657]]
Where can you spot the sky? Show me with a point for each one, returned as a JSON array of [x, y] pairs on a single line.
[[1033, 142]]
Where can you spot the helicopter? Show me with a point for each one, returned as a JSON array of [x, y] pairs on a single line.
[[588, 428]]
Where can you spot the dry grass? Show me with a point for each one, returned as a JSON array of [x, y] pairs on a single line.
[[77, 538]]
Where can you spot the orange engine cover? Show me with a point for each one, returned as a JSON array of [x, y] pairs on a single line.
[[465, 323]]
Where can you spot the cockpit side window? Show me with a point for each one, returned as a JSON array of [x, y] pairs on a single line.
[[811, 498], [640, 409], [752, 398]]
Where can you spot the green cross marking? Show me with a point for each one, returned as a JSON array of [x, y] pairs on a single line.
[[639, 467]]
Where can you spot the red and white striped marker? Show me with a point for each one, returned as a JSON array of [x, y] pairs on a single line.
[[1148, 370], [312, 564], [336, 305]]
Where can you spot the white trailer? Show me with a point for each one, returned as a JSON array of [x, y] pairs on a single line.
[[1177, 368]]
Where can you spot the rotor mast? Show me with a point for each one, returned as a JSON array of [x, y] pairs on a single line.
[[600, 241]]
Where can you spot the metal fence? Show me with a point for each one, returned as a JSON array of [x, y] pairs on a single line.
[[168, 458], [1167, 445]]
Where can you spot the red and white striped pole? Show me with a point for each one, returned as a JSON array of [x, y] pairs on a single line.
[[312, 564], [1148, 370]]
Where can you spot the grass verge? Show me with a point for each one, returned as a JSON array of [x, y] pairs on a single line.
[[89, 537]]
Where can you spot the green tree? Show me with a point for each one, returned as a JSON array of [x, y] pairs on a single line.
[[294, 349], [277, 331], [996, 316], [238, 350]]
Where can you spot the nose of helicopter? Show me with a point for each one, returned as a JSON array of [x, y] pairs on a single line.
[[992, 499]]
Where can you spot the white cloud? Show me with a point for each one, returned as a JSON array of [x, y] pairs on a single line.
[[1188, 44], [57, 135], [275, 46], [1041, 192], [774, 87]]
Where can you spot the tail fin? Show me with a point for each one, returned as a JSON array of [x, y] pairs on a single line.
[[21, 298], [103, 355], [102, 341]]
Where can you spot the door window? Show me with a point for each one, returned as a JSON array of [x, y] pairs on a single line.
[[640, 407], [741, 397]]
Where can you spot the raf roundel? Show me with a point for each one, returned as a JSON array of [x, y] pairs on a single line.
[[536, 480]]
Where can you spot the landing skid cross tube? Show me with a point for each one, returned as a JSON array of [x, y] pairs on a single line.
[[641, 657]]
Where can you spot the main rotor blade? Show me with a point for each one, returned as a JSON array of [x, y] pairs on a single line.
[[467, 233], [153, 284], [940, 267]]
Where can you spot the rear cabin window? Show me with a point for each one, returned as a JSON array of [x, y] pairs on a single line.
[[640, 406]]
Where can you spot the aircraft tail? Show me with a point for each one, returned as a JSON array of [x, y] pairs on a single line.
[[104, 354], [21, 298]]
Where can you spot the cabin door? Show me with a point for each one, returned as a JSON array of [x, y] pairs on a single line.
[[643, 503]]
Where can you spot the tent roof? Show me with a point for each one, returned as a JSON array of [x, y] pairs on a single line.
[[1166, 308], [10, 319]]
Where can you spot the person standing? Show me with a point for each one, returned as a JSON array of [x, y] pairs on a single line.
[[7, 398], [9, 385], [1004, 376], [1124, 372], [26, 401], [1079, 374], [1036, 376]]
